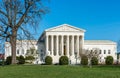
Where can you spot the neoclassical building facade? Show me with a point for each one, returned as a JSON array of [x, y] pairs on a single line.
[[69, 41], [63, 40]]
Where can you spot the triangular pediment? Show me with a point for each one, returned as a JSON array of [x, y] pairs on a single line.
[[65, 27]]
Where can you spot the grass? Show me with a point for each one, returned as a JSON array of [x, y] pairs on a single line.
[[42, 71]]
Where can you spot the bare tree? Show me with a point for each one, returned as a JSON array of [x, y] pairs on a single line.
[[16, 16], [91, 53]]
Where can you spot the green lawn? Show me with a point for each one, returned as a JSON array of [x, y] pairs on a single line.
[[38, 71]]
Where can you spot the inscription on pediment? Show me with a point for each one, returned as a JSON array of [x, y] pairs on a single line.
[[64, 28]]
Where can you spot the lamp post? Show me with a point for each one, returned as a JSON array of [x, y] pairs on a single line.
[[76, 57]]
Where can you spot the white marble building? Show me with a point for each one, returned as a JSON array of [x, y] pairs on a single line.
[[105, 47], [22, 48], [63, 40], [69, 40]]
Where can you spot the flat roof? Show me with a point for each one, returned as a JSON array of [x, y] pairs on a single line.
[[100, 42]]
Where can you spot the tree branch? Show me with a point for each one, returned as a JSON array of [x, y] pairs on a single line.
[[23, 17]]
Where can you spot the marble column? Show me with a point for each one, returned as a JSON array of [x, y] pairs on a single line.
[[67, 53], [47, 44], [82, 43], [57, 40], [77, 45], [72, 53], [52, 44], [62, 45]]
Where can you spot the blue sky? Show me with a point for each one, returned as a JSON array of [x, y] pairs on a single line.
[[100, 18]]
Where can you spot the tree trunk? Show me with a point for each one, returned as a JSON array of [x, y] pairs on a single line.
[[13, 45]]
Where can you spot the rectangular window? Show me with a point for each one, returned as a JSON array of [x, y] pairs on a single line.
[[18, 51], [104, 51], [109, 51], [100, 51]]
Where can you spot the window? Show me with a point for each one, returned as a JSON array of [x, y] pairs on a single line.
[[104, 51], [100, 51], [18, 51], [109, 51], [41, 54], [22, 51]]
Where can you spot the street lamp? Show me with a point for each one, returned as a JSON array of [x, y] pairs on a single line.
[[76, 57]]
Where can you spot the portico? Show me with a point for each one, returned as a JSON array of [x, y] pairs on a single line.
[[63, 40], [59, 45]]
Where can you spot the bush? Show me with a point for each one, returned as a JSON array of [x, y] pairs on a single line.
[[17, 58], [84, 60], [63, 60], [2, 62], [94, 61], [109, 60], [48, 60], [8, 60], [29, 58], [21, 59]]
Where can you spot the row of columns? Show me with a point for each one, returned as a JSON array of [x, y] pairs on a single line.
[[56, 45]]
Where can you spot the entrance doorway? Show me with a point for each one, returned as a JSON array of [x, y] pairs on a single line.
[[64, 49]]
